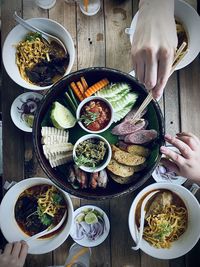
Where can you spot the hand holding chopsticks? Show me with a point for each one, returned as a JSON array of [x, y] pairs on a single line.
[[178, 57]]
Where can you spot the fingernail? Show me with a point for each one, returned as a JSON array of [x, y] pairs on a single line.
[[168, 136], [162, 149]]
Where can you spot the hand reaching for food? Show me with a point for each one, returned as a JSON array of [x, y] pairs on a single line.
[[154, 44], [187, 162], [14, 255]]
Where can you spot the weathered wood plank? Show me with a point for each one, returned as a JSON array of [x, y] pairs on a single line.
[[90, 40]]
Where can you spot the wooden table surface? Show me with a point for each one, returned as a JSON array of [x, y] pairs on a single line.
[[100, 41]]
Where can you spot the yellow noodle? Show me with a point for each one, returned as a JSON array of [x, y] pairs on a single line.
[[166, 226]]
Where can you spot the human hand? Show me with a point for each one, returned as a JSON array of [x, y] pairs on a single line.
[[187, 164], [154, 44], [14, 255]]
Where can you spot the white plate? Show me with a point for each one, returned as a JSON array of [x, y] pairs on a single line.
[[176, 178], [16, 114], [85, 242], [11, 230], [191, 23]]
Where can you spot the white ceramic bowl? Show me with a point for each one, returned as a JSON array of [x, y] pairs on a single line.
[[190, 19], [93, 7], [11, 230], [108, 154], [16, 114], [85, 241], [85, 101], [188, 239], [18, 33]]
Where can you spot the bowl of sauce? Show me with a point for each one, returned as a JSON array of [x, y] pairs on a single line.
[[95, 114]]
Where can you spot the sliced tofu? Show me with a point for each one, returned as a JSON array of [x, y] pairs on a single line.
[[46, 131], [54, 139], [128, 159], [120, 169], [60, 160], [57, 149]]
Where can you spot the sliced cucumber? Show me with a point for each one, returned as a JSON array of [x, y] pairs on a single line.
[[113, 89], [122, 113], [118, 96], [61, 117], [127, 100]]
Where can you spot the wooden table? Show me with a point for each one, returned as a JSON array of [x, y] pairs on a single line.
[[99, 41]]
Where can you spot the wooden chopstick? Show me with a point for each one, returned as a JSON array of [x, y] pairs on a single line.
[[178, 57]]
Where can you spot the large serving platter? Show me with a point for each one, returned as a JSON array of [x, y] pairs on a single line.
[[59, 174]]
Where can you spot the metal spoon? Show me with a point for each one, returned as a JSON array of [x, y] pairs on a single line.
[[142, 217], [48, 230], [49, 38]]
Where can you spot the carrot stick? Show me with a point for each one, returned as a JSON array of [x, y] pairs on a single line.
[[96, 87], [76, 91], [80, 87], [84, 83], [86, 5]]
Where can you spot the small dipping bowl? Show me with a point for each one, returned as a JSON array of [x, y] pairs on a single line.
[[93, 7], [107, 157], [84, 103]]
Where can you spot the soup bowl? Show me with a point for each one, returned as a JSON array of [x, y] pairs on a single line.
[[59, 175], [192, 233], [10, 228], [18, 33]]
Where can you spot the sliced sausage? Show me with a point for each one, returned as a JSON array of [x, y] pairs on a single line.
[[128, 127], [141, 137]]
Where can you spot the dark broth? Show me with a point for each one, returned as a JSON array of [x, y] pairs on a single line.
[[26, 210]]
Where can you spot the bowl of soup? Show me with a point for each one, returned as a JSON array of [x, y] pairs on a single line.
[[31, 61], [187, 28], [31, 206], [170, 228]]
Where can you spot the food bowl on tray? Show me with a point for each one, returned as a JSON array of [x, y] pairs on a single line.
[[186, 30], [95, 114], [131, 164], [26, 202], [92, 153], [18, 34], [171, 228]]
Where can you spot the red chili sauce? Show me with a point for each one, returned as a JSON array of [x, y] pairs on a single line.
[[95, 115]]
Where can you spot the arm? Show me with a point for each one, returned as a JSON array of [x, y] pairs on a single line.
[[154, 44], [187, 164]]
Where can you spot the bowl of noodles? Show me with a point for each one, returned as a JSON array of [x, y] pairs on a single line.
[[31, 206], [187, 27], [170, 225], [34, 63]]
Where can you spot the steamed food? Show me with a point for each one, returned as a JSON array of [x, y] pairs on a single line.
[[166, 219], [39, 62], [39, 207]]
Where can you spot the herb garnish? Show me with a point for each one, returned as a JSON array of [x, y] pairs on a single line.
[[89, 117], [32, 36], [44, 218], [57, 198], [81, 160]]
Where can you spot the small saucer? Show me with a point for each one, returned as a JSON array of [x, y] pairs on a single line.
[[84, 241], [15, 110], [168, 177]]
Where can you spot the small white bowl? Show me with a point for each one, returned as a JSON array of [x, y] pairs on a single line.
[[84, 241], [18, 33], [190, 19], [11, 230], [93, 7], [16, 114], [187, 240], [108, 153], [85, 101]]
